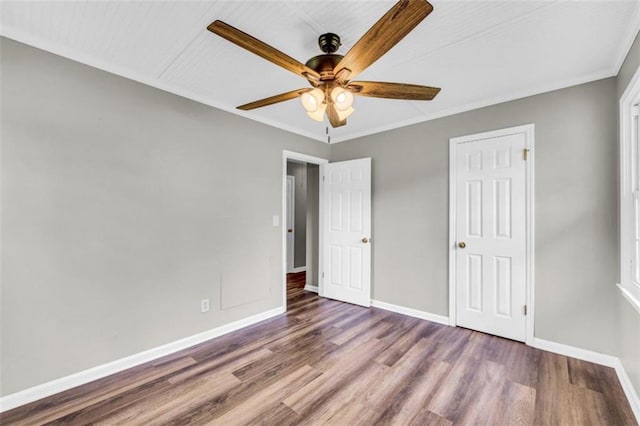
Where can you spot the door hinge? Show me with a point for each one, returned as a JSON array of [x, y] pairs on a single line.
[[323, 178], [525, 310], [526, 154], [323, 275], [635, 110]]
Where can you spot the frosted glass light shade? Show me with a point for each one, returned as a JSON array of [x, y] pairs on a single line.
[[312, 100], [343, 114], [318, 114], [342, 99]]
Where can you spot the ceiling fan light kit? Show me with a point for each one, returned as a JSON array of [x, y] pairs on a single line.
[[331, 74], [315, 102]]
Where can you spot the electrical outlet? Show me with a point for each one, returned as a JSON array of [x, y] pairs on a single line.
[[204, 305]]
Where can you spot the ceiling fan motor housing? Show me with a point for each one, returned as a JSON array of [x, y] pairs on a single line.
[[324, 65], [329, 42]]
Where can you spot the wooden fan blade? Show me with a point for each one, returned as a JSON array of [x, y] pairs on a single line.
[[386, 33], [273, 99], [332, 115], [262, 49], [378, 89]]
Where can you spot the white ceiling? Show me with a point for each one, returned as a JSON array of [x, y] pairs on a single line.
[[479, 52]]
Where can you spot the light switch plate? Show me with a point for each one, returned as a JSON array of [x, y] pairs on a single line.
[[276, 221], [204, 305]]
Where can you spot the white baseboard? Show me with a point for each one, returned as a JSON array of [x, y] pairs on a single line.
[[629, 391], [64, 383], [596, 358], [298, 269], [310, 287], [440, 319], [573, 352]]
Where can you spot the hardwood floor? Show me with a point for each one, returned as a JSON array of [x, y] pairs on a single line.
[[336, 363]]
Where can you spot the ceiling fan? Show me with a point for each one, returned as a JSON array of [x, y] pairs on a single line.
[[330, 75]]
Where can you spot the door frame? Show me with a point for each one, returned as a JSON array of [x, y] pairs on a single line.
[[291, 247], [529, 132], [304, 158]]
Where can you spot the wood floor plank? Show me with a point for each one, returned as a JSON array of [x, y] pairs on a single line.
[[579, 398], [77, 399], [456, 391], [350, 331], [227, 367], [584, 374], [489, 380], [339, 407], [313, 334], [402, 344], [122, 401], [274, 374], [265, 399], [552, 400], [366, 343], [415, 394], [327, 362], [280, 415], [521, 361], [514, 406], [183, 397], [450, 345], [370, 404], [426, 417], [247, 341], [339, 375], [282, 362]]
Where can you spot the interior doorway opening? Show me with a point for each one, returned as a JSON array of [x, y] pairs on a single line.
[[301, 222], [302, 216]]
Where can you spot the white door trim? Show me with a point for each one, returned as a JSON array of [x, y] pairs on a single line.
[[296, 156], [291, 246], [529, 131]]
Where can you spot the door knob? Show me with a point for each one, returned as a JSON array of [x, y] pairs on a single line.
[[289, 230], [461, 244], [365, 240]]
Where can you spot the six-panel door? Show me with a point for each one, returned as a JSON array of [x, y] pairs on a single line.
[[347, 231], [491, 235]]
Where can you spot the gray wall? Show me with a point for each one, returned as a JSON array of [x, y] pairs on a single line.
[[313, 221], [299, 171], [576, 239], [629, 318], [122, 207]]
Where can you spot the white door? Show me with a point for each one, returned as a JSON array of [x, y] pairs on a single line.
[[346, 230], [291, 188], [490, 232]]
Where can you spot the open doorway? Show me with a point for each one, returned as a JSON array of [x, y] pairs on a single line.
[[301, 222], [337, 222]]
